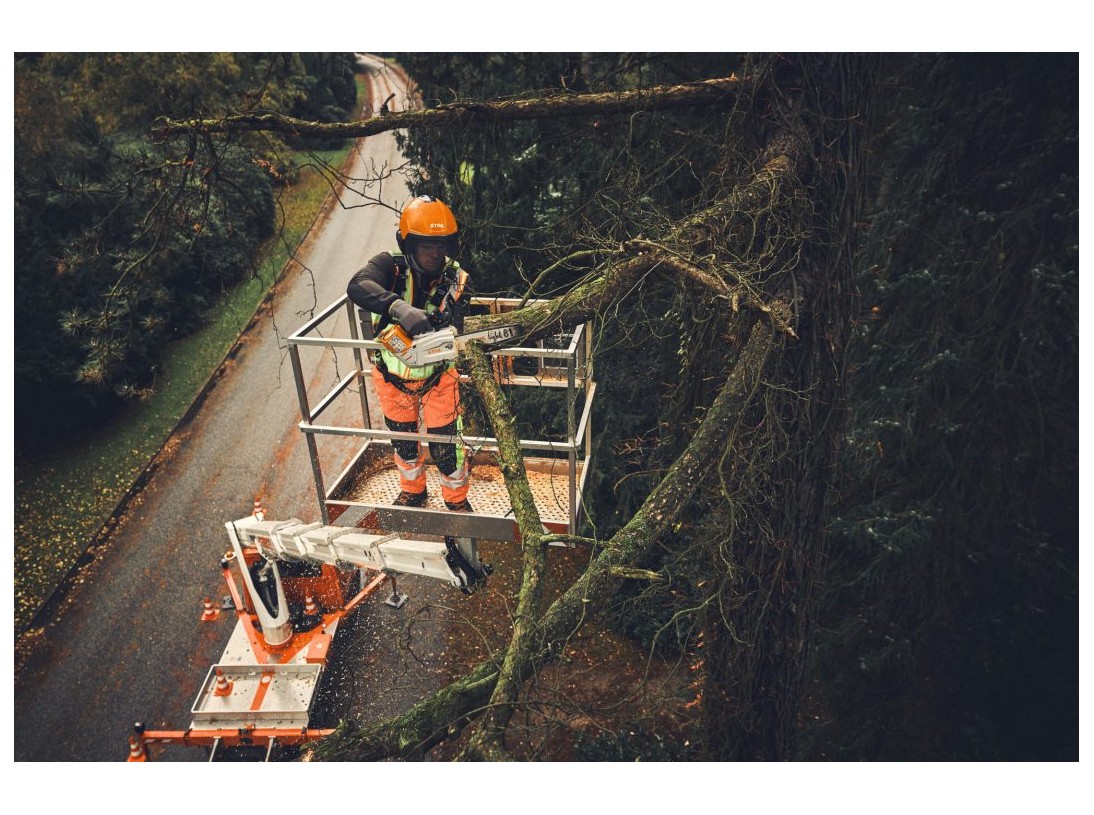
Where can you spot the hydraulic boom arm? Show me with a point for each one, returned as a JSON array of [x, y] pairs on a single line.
[[293, 540]]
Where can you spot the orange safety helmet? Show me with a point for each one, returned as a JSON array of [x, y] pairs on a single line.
[[427, 218]]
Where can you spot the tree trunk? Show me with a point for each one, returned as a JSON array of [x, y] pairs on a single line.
[[757, 633]]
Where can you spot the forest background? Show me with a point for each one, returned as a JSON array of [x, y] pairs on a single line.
[[948, 624]]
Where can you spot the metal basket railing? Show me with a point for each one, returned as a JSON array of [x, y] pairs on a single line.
[[560, 362]]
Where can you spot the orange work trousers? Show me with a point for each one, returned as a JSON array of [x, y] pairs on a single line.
[[440, 409]]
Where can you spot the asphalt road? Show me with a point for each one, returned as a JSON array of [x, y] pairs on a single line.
[[127, 644]]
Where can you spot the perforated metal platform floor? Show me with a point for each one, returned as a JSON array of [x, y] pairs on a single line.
[[373, 483]]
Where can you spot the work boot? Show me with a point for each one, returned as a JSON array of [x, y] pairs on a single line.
[[411, 499], [459, 506]]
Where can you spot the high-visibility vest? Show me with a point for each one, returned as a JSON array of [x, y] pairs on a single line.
[[404, 279]]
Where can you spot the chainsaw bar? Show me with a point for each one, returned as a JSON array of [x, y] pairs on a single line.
[[489, 336]]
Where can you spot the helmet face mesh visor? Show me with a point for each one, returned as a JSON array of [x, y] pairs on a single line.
[[414, 242]]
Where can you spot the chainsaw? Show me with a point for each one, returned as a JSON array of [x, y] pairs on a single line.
[[440, 345]]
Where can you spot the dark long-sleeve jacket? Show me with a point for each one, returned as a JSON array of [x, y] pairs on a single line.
[[371, 287]]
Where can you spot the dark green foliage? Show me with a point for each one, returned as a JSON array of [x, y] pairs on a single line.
[[952, 617], [124, 241], [654, 373], [535, 192], [329, 92], [119, 270]]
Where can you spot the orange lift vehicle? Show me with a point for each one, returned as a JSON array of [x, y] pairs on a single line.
[[291, 584]]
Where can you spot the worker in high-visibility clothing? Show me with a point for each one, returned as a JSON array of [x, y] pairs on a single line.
[[420, 287]]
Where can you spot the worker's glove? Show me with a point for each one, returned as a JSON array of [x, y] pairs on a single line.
[[414, 320]]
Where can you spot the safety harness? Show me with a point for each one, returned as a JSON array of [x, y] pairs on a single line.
[[436, 299]]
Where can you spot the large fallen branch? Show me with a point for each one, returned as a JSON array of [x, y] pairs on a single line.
[[633, 259], [662, 97], [444, 713], [488, 743]]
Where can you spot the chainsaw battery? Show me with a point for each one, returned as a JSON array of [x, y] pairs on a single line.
[[395, 339]]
